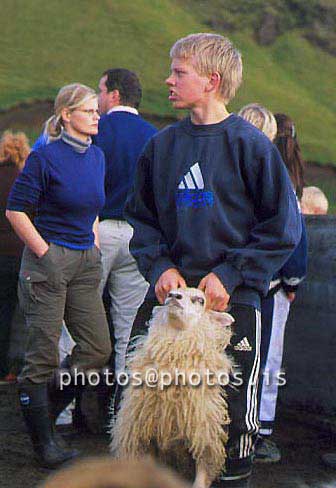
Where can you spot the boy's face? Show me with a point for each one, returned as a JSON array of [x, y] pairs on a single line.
[[187, 89]]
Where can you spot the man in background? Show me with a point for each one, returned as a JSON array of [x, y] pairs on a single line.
[[122, 135]]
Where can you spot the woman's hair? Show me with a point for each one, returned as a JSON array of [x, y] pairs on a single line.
[[71, 97], [262, 118], [14, 148], [106, 472], [287, 143]]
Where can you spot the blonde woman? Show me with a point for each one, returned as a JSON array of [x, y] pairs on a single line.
[[63, 184]]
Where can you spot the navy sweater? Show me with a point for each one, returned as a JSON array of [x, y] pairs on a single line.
[[213, 198], [65, 189], [121, 136]]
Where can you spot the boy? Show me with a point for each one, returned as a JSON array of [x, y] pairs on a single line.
[[212, 206]]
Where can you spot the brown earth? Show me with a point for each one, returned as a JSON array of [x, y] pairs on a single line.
[[31, 116], [300, 466]]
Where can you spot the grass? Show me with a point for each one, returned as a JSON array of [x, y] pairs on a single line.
[[48, 44]]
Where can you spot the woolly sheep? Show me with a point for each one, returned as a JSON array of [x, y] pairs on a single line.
[[185, 342]]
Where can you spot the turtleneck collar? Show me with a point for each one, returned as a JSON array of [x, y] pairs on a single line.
[[78, 145]]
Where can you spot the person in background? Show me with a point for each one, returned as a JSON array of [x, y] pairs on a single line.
[[122, 134], [313, 201], [261, 118], [275, 306], [63, 184], [14, 149]]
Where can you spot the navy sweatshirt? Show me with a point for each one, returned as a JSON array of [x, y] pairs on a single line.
[[213, 198], [65, 189], [122, 136]]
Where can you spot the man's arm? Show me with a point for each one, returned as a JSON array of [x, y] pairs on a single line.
[[275, 233]]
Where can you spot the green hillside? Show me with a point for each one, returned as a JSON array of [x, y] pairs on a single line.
[[46, 44]]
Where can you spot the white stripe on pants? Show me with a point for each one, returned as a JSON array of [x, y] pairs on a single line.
[[251, 417], [127, 287], [269, 389]]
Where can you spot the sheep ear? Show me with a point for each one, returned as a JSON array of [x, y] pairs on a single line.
[[223, 318]]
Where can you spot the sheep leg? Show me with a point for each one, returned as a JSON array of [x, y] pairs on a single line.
[[202, 479]]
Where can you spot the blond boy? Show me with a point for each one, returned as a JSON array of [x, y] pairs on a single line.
[[212, 207]]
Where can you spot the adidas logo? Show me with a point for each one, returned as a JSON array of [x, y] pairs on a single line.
[[193, 180], [243, 345]]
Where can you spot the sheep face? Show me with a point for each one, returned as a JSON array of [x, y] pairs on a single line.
[[185, 306]]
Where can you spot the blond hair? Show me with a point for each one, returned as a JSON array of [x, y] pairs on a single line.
[[212, 53], [313, 201], [71, 97], [14, 148], [261, 117], [106, 472]]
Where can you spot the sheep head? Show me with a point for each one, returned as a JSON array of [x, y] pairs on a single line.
[[187, 306]]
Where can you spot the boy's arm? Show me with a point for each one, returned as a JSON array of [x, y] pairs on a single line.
[[148, 245], [275, 233]]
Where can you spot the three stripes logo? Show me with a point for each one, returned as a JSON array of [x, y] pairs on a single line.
[[193, 180], [191, 193], [243, 345]]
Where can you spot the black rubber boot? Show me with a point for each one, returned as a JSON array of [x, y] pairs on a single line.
[[105, 392], [60, 396], [35, 408]]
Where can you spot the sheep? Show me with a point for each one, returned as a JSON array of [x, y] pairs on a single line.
[[185, 342]]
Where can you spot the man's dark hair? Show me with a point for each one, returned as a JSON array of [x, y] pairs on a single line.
[[127, 83]]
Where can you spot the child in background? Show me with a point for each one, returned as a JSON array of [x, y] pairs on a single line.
[[313, 201]]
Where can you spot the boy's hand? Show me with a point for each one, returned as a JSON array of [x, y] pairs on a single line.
[[169, 280], [216, 295], [290, 296]]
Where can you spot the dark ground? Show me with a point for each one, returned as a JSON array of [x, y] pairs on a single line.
[[300, 466]]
